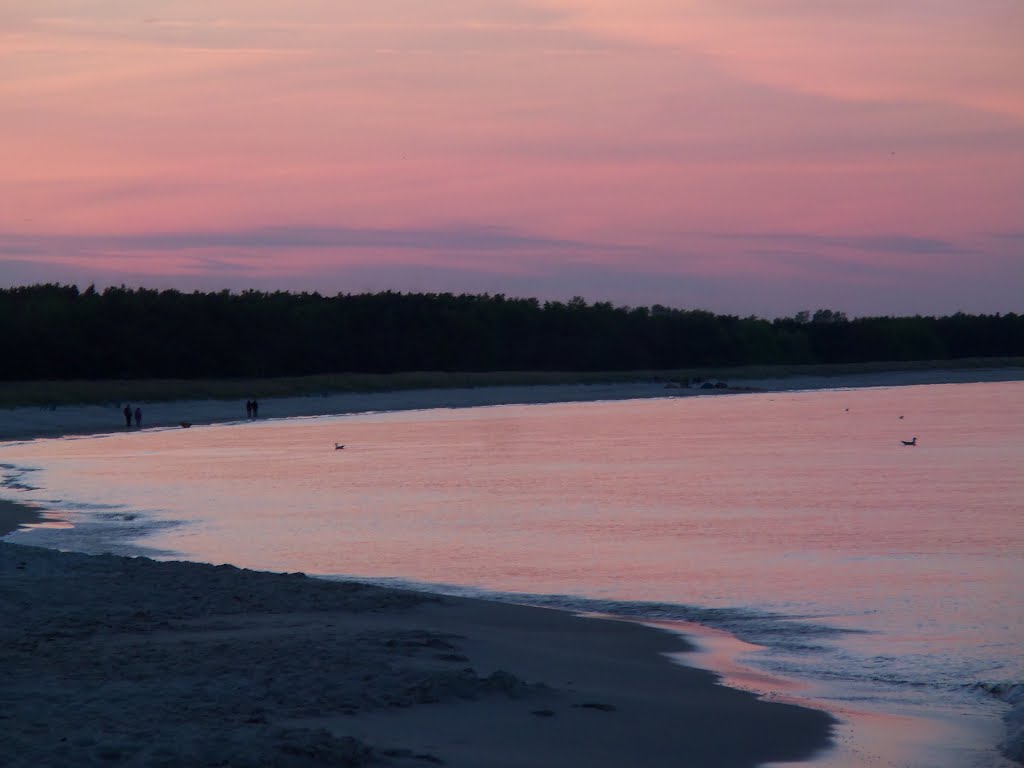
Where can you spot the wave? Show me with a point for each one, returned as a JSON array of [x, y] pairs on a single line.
[[792, 633], [806, 648], [13, 477], [1012, 694], [115, 533]]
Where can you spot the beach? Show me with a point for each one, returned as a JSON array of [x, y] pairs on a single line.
[[86, 419], [111, 660], [127, 661]]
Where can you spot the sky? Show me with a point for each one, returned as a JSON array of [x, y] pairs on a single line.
[[749, 157]]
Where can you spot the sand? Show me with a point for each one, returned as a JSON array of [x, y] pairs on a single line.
[[14, 515], [29, 422], [107, 660]]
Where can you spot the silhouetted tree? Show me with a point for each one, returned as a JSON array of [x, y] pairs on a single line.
[[59, 332]]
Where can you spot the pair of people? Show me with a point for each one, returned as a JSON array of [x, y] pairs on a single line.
[[252, 409], [128, 416]]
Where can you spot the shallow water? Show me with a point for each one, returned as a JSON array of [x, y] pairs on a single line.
[[880, 581]]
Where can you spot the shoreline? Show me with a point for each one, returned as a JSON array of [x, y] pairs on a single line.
[[14, 515], [175, 663], [172, 663], [28, 422], [437, 726]]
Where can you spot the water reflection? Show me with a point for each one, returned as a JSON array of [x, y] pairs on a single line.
[[797, 505]]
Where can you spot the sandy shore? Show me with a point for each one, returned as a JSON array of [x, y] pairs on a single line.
[[127, 661], [21, 423]]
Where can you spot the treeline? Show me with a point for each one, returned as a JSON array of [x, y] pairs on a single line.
[[60, 332]]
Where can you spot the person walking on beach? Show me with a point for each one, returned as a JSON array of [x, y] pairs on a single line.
[[128, 414], [138, 417], [248, 409], [255, 409]]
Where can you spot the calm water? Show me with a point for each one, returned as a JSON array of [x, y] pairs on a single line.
[[821, 558]]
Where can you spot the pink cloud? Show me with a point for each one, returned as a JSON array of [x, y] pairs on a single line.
[[571, 120]]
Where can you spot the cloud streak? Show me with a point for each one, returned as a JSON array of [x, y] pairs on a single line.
[[882, 243], [282, 238]]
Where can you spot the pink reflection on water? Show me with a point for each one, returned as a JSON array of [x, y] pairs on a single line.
[[862, 736], [690, 497], [55, 524], [800, 503]]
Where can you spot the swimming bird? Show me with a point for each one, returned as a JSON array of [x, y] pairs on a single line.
[[338, 447], [901, 417], [909, 442]]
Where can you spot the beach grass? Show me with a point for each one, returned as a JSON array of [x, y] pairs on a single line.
[[82, 392]]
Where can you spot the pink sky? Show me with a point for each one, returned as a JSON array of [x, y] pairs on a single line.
[[743, 156]]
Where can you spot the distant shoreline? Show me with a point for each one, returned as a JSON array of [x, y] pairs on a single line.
[[58, 393], [32, 421]]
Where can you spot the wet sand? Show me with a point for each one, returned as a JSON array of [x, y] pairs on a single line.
[[14, 515]]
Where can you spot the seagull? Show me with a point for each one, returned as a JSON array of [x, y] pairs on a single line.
[[901, 417], [909, 442], [338, 447]]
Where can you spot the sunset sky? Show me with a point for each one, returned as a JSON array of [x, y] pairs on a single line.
[[742, 156]]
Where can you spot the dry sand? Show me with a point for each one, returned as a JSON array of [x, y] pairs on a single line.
[[107, 660], [28, 422]]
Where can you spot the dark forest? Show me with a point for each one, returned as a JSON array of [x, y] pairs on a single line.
[[61, 332]]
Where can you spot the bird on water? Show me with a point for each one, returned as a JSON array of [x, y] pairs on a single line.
[[909, 442]]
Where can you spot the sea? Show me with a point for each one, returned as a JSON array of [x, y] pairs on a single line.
[[809, 553]]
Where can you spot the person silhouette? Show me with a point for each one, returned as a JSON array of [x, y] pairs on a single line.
[[248, 409], [255, 409], [138, 417], [127, 415]]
